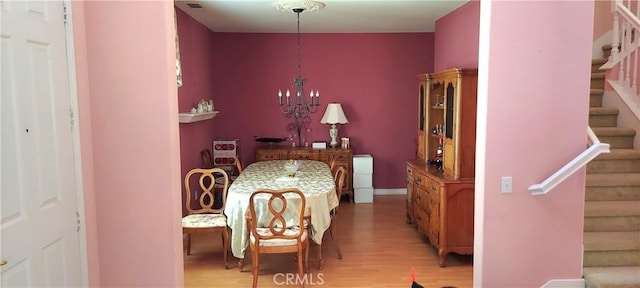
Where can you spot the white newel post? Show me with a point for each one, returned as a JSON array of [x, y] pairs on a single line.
[[616, 32]]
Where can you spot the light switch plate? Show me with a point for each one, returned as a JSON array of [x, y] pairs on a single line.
[[506, 184]]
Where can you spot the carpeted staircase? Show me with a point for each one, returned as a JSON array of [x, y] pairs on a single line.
[[612, 208]]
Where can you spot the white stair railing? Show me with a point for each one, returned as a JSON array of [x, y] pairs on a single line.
[[625, 56], [573, 166]]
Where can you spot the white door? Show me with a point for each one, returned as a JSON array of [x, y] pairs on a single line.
[[40, 244]]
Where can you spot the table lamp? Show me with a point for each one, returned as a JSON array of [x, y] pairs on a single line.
[[334, 115]]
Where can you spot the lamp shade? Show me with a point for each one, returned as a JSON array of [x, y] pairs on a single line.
[[334, 115]]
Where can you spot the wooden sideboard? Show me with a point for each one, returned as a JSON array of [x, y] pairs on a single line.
[[344, 157], [441, 207]]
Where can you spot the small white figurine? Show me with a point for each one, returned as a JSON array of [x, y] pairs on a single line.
[[200, 107]]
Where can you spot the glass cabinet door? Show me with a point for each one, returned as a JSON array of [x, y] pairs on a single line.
[[449, 159], [436, 121], [421, 109], [449, 113], [422, 117]]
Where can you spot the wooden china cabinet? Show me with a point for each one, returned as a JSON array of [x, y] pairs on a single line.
[[440, 180], [344, 158]]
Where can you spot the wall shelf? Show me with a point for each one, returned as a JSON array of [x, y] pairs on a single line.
[[195, 117]]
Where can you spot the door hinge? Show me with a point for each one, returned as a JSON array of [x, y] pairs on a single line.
[[72, 116], [64, 8], [77, 221]]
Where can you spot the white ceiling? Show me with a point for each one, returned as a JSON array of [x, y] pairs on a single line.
[[338, 16]]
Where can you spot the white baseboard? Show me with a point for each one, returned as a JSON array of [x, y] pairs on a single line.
[[398, 191], [565, 283]]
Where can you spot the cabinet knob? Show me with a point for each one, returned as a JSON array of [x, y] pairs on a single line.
[[3, 262]]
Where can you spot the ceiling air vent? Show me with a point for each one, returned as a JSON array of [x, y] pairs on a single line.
[[194, 5]]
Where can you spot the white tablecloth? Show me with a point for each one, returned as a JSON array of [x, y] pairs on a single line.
[[313, 178]]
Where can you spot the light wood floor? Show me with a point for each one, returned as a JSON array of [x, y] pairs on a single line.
[[379, 249]]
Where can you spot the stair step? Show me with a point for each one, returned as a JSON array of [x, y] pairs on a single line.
[[600, 61], [612, 187], [617, 154], [620, 179], [603, 117], [603, 111], [612, 216], [596, 63], [611, 249], [611, 208], [608, 258], [598, 75], [611, 224], [606, 50], [612, 277], [597, 80], [614, 131], [595, 97], [617, 161], [616, 137], [616, 193], [612, 241]]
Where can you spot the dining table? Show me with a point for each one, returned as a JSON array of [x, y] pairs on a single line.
[[313, 179]]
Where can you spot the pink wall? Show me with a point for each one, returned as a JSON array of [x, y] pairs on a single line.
[[373, 76], [196, 45], [456, 43], [532, 119], [130, 142]]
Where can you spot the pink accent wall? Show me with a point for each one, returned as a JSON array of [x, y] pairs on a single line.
[[373, 76], [532, 119], [456, 43], [130, 142], [196, 46]]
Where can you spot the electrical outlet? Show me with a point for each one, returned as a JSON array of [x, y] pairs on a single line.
[[506, 184]]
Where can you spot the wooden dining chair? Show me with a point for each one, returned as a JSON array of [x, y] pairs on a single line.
[[202, 215], [207, 162], [339, 178], [206, 159], [232, 174], [238, 163], [276, 236]]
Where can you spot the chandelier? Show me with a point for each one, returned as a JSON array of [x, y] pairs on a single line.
[[298, 105]]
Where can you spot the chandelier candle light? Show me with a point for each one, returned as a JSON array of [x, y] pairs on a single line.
[[334, 115], [297, 106]]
